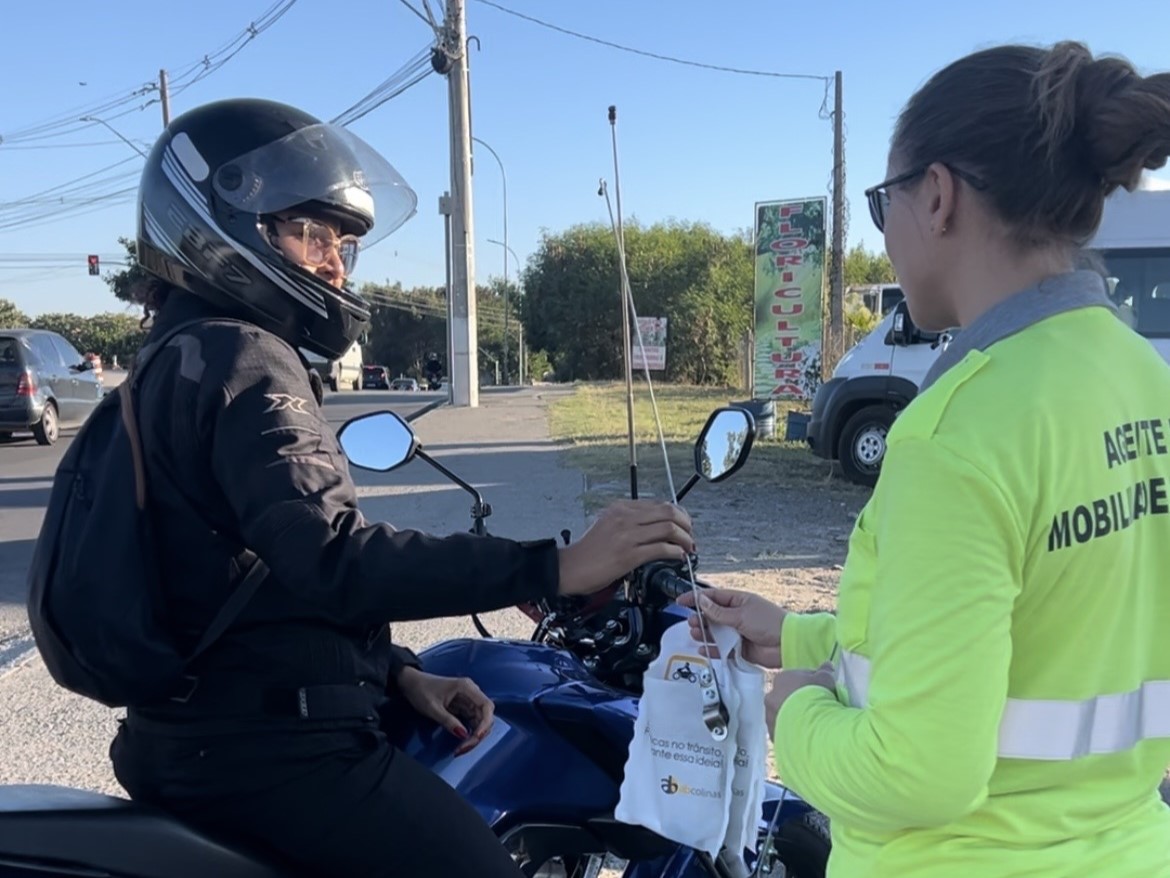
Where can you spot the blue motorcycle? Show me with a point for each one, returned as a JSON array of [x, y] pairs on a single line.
[[546, 779]]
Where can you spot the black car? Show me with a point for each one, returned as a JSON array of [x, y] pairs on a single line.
[[375, 378], [45, 383]]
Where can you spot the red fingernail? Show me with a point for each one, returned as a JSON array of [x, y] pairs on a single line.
[[460, 733]]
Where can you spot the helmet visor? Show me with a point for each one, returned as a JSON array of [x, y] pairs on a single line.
[[328, 166]]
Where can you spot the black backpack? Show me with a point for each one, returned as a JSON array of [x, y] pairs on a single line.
[[95, 602]]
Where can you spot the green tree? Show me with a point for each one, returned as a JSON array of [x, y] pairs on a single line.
[[11, 317], [127, 285], [863, 267], [107, 335], [407, 325], [699, 280]]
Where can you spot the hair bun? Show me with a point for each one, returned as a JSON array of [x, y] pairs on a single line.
[[1103, 110]]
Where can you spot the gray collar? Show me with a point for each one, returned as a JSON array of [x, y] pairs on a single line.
[[1055, 295]]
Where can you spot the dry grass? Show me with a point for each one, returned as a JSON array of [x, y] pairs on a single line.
[[593, 423]]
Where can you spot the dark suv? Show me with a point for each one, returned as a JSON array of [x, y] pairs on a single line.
[[44, 382]]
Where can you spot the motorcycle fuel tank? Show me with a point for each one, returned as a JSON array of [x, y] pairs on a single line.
[[525, 768]]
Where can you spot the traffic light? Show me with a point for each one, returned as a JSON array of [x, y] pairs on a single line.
[[94, 268]]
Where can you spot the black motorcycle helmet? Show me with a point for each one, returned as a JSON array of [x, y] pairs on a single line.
[[205, 204]]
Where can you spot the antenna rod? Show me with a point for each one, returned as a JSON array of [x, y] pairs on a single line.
[[627, 358]]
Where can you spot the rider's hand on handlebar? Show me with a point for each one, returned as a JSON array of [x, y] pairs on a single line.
[[626, 535], [757, 620]]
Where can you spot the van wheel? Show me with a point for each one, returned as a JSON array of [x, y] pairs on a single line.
[[862, 445], [333, 384], [47, 430]]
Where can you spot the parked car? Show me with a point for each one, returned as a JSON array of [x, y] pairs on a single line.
[[375, 378], [407, 384], [45, 383]]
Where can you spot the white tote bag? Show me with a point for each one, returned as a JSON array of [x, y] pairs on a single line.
[[678, 777], [750, 761]]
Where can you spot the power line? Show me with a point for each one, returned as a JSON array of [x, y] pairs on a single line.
[[84, 194], [655, 55], [428, 19], [405, 77], [84, 144], [213, 62], [424, 307], [70, 258], [188, 75], [69, 199]]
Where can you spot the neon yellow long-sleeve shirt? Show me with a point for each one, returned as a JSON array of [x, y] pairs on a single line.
[[1004, 621]]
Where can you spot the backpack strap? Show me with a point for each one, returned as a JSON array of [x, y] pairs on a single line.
[[232, 607], [258, 572], [130, 416]]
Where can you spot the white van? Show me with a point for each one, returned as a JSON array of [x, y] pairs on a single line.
[[337, 374], [880, 375]]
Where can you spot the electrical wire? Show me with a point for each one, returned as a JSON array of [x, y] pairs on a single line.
[[425, 308], [405, 77], [82, 193], [77, 197], [647, 54], [209, 64], [84, 144], [69, 121]]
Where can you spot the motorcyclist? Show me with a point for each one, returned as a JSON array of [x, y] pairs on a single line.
[[999, 698], [251, 215], [434, 370]]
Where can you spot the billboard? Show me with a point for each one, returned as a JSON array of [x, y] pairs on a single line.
[[653, 333], [789, 297]]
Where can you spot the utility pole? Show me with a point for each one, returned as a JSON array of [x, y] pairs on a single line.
[[464, 366], [164, 90], [837, 270]]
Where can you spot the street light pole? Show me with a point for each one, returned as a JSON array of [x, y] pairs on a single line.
[[116, 133], [520, 342], [504, 176]]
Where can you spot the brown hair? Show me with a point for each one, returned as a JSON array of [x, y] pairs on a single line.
[[1051, 132], [152, 292]]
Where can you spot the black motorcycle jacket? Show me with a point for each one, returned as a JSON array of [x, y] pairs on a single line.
[[240, 459]]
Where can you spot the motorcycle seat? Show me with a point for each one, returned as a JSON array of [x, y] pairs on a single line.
[[59, 825]]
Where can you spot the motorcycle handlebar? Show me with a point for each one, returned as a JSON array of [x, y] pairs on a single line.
[[670, 583]]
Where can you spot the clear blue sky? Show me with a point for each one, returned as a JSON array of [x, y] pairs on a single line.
[[695, 144]]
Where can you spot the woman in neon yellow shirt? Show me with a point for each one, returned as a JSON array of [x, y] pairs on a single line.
[[1000, 701]]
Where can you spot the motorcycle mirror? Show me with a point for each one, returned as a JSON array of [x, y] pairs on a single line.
[[724, 444], [722, 447], [379, 441]]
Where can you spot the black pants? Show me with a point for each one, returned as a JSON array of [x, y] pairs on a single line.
[[335, 803]]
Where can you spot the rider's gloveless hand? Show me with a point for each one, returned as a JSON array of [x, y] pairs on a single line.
[[757, 620], [626, 535]]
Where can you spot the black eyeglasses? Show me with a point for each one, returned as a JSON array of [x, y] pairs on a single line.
[[879, 198]]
